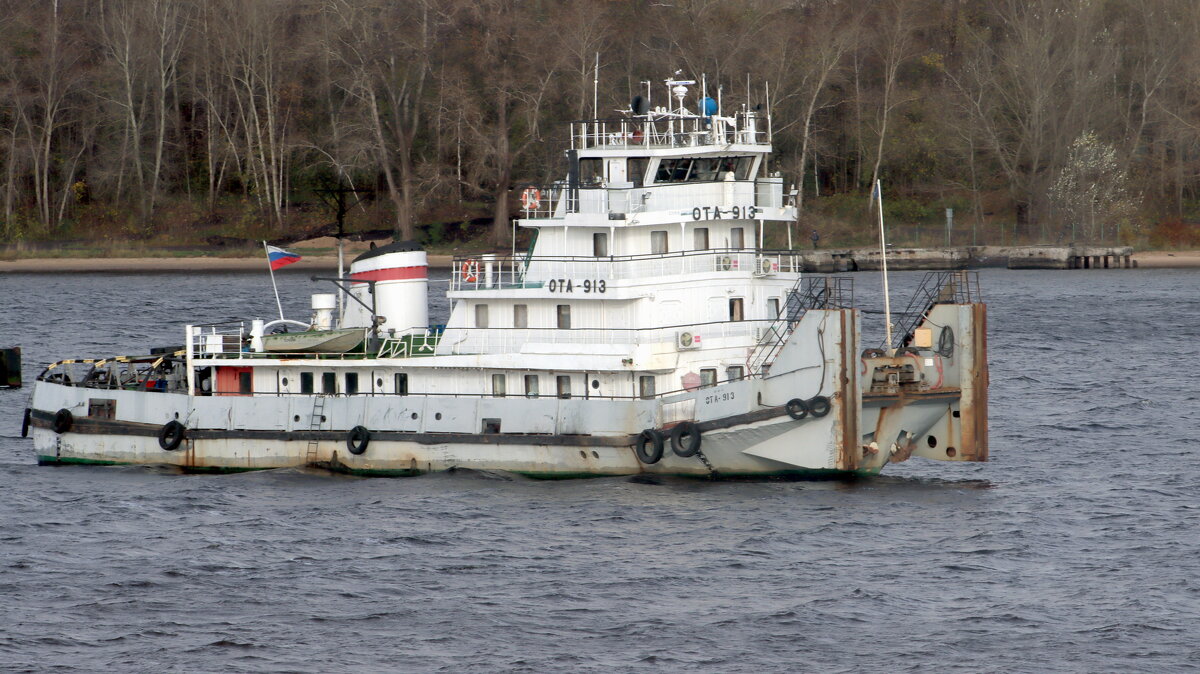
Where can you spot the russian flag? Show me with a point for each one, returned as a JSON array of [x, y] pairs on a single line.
[[279, 257]]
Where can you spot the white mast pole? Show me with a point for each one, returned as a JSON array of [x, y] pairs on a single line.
[[273, 286], [887, 301]]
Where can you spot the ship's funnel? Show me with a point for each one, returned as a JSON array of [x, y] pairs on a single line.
[[400, 274]]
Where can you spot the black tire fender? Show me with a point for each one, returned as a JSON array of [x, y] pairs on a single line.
[[819, 406], [357, 440], [685, 439], [652, 454], [63, 420], [25, 422], [797, 409], [170, 436]]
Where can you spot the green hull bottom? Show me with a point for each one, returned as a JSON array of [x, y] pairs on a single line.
[[796, 474]]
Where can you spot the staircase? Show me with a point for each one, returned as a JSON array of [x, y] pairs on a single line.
[[819, 292], [938, 287]]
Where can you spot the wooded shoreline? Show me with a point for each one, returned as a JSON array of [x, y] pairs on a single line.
[[1182, 259]]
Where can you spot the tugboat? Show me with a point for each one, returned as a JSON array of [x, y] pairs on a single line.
[[648, 330]]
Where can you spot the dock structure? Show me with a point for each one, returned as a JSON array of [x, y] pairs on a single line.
[[967, 257]]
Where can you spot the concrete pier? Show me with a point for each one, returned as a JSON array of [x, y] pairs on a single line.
[[1012, 257]]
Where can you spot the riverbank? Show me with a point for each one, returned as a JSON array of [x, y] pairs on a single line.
[[1179, 259]]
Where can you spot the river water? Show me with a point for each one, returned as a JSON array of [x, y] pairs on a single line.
[[1077, 548]]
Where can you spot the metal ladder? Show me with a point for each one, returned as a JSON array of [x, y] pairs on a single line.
[[314, 424]]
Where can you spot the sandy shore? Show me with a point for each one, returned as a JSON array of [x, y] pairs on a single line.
[[1185, 259]]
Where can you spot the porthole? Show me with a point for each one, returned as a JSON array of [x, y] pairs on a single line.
[[379, 382], [296, 418], [414, 415], [177, 415], [582, 454], [438, 416], [951, 452], [595, 383], [932, 441], [283, 381], [323, 419], [595, 454]]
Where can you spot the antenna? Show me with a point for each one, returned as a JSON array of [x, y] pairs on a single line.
[[887, 300], [596, 88]]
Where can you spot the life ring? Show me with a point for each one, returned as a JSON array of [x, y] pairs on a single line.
[[797, 409], [63, 420], [171, 435], [531, 198], [685, 439], [655, 451], [819, 406], [470, 271], [357, 440], [25, 422]]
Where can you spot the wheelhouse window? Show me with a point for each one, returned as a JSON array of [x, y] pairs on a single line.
[[700, 238], [520, 315], [600, 244], [306, 382], [351, 383], [401, 381], [531, 386], [499, 384], [646, 386], [703, 169], [591, 172], [658, 242], [564, 317], [708, 377], [564, 386], [735, 309], [636, 170], [481, 315]]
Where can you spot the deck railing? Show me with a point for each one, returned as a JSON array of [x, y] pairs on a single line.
[[490, 272]]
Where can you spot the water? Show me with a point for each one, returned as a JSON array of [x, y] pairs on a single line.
[[1075, 549]]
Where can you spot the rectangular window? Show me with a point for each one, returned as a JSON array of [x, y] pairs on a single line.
[[351, 383], [636, 170], [306, 382], [700, 238], [600, 244], [734, 372], [244, 383], [499, 383], [401, 383], [646, 386], [772, 307], [658, 242], [329, 383], [704, 169], [481, 315], [520, 315], [735, 309], [564, 386], [708, 377], [591, 172], [531, 386], [737, 238], [564, 317]]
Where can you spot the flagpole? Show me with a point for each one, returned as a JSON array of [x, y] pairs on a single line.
[[275, 287], [887, 300]]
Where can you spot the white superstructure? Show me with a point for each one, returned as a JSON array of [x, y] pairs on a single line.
[[648, 329]]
